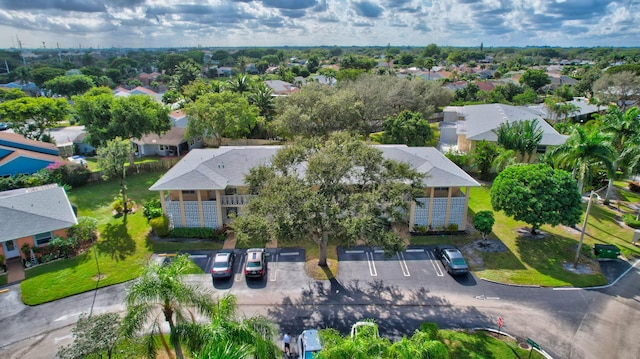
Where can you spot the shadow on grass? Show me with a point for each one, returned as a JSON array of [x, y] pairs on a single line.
[[116, 241]]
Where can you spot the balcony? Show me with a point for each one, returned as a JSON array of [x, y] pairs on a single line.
[[235, 200]]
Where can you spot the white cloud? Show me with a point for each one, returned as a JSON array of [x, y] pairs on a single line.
[[156, 23]]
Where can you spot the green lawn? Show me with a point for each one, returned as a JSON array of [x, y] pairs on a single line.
[[480, 344], [92, 162], [540, 261], [122, 250]]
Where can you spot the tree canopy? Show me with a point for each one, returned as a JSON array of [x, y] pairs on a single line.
[[535, 78], [33, 116], [221, 114], [69, 85], [106, 117], [347, 190], [537, 194], [408, 128], [520, 136]]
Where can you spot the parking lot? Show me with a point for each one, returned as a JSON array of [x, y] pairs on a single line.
[[416, 263], [283, 264]]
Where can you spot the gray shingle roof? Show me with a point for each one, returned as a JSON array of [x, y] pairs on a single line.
[[28, 211], [227, 166], [480, 121]]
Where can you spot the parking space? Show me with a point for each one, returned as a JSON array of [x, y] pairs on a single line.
[[415, 263], [282, 263]]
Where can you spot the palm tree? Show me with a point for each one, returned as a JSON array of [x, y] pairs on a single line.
[[520, 136], [582, 152], [254, 337], [240, 84], [624, 128], [161, 287], [262, 98], [242, 63], [429, 63]]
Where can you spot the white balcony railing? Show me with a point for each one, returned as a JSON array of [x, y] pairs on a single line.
[[235, 200]]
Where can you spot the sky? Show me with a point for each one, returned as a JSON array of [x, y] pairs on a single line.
[[263, 23]]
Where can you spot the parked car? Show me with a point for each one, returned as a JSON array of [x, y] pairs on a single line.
[[256, 265], [223, 264], [308, 344], [4, 126], [452, 260]]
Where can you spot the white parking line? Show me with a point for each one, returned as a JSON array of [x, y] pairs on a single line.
[[414, 250], [372, 265], [434, 263], [198, 256], [403, 265], [354, 252], [290, 254], [238, 276], [273, 273], [378, 251]]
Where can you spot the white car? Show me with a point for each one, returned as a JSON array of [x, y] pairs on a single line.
[[308, 344]]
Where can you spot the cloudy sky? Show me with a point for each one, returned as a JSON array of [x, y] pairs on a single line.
[[169, 23]]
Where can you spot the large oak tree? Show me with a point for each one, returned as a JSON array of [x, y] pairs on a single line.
[[342, 188]]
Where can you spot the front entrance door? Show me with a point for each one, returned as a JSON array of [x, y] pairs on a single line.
[[11, 249]]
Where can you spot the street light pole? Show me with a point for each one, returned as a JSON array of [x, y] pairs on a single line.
[[584, 228]]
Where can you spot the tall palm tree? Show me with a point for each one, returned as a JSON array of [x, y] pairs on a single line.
[[242, 63], [262, 98], [429, 63], [240, 84], [624, 127], [582, 152], [253, 336], [520, 136], [161, 287]]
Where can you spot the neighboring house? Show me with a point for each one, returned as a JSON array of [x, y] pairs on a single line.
[[82, 147], [123, 92], [584, 110], [19, 155], [171, 143], [225, 71], [33, 216], [147, 79], [178, 119], [281, 88], [26, 87], [207, 187], [465, 125]]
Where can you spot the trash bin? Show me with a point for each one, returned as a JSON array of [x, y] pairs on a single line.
[[606, 251]]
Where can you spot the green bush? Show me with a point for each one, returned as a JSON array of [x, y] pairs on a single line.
[[453, 227], [72, 174], [188, 232], [631, 221], [117, 205], [430, 328], [85, 231], [152, 209], [460, 159], [160, 226]]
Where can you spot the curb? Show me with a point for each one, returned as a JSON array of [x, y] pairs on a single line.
[[512, 285]]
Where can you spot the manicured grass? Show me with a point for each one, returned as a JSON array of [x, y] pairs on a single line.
[[3, 279], [481, 344], [122, 250], [541, 261]]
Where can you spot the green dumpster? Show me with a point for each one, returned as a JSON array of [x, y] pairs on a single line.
[[606, 251]]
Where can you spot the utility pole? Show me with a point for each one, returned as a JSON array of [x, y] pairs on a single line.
[[24, 62], [584, 228]]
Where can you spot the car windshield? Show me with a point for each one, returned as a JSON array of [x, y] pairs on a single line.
[[221, 264], [459, 262], [253, 264], [310, 354]]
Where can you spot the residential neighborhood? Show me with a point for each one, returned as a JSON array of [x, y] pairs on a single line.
[[442, 194]]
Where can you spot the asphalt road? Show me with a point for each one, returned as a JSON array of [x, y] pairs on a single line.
[[400, 292]]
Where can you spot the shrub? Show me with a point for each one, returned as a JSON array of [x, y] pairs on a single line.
[[631, 221], [634, 187], [453, 227], [160, 226], [460, 159], [430, 328], [117, 205], [188, 232], [72, 174], [152, 209], [85, 231]]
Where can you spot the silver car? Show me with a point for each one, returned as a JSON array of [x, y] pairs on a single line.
[[223, 265], [452, 260]]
